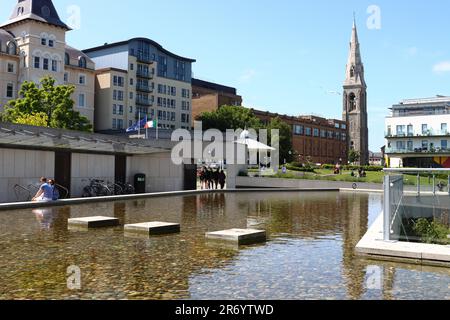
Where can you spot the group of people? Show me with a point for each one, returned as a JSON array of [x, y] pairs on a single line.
[[361, 173], [48, 191], [212, 179]]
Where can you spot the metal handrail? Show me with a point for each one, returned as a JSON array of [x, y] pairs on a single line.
[[16, 192]]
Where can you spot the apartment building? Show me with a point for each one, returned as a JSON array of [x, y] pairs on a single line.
[[418, 134], [33, 46], [208, 97], [138, 78]]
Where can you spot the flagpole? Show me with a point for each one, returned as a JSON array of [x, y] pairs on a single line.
[[139, 124], [157, 136], [146, 127]]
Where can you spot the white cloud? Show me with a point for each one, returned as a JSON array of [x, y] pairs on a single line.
[[442, 67], [247, 76]]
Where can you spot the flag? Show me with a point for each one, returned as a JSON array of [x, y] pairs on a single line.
[[151, 124], [138, 125]]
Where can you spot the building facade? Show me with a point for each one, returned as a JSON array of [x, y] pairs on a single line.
[[418, 134], [33, 46], [315, 139], [355, 101], [209, 97], [138, 78]]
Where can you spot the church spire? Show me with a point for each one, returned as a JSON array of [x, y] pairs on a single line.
[[355, 67], [38, 10]]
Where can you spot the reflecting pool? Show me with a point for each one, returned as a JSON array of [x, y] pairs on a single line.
[[309, 255]]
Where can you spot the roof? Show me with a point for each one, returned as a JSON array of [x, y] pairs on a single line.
[[127, 42], [38, 10], [213, 86], [5, 36], [75, 54]]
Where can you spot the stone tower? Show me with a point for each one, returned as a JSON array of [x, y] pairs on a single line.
[[355, 101]]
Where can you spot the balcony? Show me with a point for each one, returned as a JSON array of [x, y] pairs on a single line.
[[144, 88], [144, 74], [144, 102], [429, 133], [144, 58], [419, 151]]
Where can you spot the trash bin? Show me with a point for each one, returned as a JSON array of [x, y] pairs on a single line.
[[140, 183]]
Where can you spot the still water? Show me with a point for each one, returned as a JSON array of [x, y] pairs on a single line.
[[309, 255]]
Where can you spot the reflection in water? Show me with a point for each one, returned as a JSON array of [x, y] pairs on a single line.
[[310, 254]]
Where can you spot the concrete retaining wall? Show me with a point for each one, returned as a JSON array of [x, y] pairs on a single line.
[[247, 182], [23, 167]]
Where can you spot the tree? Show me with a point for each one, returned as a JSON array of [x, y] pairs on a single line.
[[285, 141], [354, 156], [46, 104], [229, 117]]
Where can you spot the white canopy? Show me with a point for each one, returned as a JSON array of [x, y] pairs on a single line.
[[255, 145]]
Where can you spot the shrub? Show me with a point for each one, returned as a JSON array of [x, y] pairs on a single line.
[[431, 232]]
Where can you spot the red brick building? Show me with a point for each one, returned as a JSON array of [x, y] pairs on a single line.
[[315, 139]]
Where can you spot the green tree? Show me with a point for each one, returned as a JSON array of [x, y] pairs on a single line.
[[35, 119], [285, 141], [229, 117], [354, 156], [47, 98]]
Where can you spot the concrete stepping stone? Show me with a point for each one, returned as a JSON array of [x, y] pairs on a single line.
[[238, 236], [153, 228], [94, 222]]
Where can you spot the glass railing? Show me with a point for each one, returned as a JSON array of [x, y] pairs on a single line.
[[144, 88], [144, 74], [397, 114], [145, 102], [416, 205], [429, 133], [418, 150]]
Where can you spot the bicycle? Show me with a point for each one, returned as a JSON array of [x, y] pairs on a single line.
[[97, 188]]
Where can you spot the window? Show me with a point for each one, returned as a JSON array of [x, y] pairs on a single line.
[[37, 62], [12, 48], [114, 109], [424, 129], [444, 128], [298, 130], [316, 132], [183, 118], [81, 100], [54, 66], [444, 144], [9, 90], [82, 62], [410, 146], [119, 124], [401, 131], [425, 145], [66, 77], [410, 130], [121, 110], [389, 131], [44, 41], [11, 67], [51, 43], [308, 132], [120, 95], [45, 64], [115, 95], [114, 123], [131, 66], [131, 82], [401, 145], [344, 126], [131, 95], [66, 59], [131, 109], [82, 79], [323, 134]]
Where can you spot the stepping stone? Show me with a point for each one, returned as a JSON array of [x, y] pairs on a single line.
[[94, 222], [238, 236], [153, 228]]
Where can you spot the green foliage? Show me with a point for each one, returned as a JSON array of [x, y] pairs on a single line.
[[36, 119], [53, 101], [365, 168], [432, 232], [300, 169], [229, 117], [354, 156], [285, 140]]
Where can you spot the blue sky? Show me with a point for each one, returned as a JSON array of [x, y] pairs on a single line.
[[286, 56]]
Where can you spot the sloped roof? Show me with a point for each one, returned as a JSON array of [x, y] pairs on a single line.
[[38, 10]]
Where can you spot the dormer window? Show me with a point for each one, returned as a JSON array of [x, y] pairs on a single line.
[[44, 41], [20, 11], [82, 62], [12, 48], [51, 43]]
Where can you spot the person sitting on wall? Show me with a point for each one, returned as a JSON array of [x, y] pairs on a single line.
[[222, 179], [45, 192]]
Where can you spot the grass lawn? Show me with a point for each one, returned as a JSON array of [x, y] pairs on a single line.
[[372, 177]]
